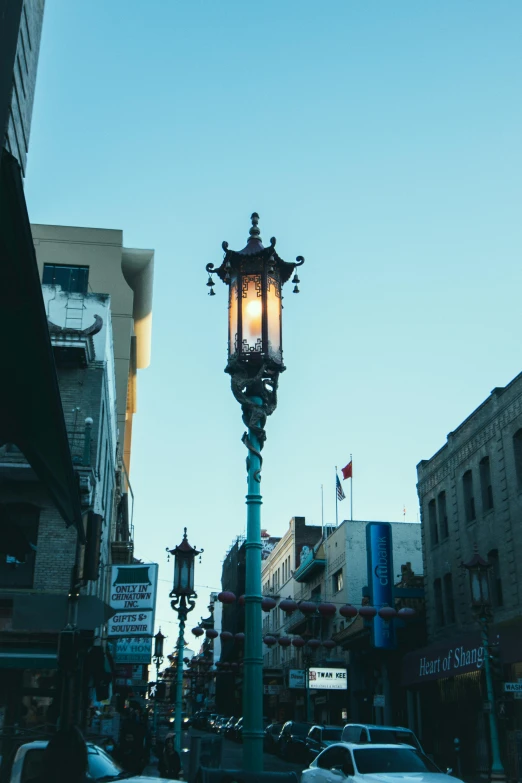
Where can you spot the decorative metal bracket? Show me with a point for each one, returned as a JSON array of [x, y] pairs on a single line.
[[179, 604]]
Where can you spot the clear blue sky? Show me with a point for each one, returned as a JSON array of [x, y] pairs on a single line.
[[382, 141]]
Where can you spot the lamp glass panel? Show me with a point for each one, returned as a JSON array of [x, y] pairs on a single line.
[[475, 587], [485, 586], [176, 574], [184, 575], [252, 314], [273, 310], [232, 317]]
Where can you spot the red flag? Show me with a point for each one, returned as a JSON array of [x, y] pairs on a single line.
[[347, 471]]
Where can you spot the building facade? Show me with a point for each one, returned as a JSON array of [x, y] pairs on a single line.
[[470, 493], [24, 80], [96, 364]]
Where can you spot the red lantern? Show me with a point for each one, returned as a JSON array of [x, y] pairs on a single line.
[[406, 613], [226, 636], [267, 604], [211, 633], [197, 631], [327, 610], [297, 641], [285, 641], [287, 605], [348, 611], [270, 641], [368, 612], [329, 644], [241, 600], [307, 607], [226, 597], [387, 612], [313, 644], [239, 637]]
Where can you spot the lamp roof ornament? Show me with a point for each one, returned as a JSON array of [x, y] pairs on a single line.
[[252, 256]]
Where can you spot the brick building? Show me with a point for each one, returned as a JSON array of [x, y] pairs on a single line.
[[470, 492], [96, 305]]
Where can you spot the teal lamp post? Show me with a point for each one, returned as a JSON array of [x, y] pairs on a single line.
[[478, 570], [182, 595], [255, 277]]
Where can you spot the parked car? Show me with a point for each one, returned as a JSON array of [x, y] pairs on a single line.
[[272, 732], [219, 723], [364, 733], [229, 727], [320, 737], [291, 743], [27, 765], [372, 764], [200, 720], [237, 731]]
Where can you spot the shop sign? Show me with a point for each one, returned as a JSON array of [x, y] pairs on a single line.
[[447, 659], [132, 650], [379, 700], [513, 687], [379, 555], [296, 678], [132, 624], [133, 587], [327, 679], [271, 690]]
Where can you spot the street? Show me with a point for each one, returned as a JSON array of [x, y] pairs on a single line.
[[232, 758]]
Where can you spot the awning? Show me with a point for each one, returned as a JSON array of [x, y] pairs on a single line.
[[31, 413], [28, 659]]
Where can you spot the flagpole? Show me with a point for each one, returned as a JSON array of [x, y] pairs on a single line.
[[351, 492], [322, 509], [336, 501]]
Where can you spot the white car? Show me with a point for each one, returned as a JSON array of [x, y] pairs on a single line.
[[372, 764], [28, 762]]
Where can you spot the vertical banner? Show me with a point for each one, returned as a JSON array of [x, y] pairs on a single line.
[[379, 553]]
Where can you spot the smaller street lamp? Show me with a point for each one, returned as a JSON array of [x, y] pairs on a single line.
[[478, 570], [182, 594]]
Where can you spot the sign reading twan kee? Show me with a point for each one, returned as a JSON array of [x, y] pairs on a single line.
[[133, 587]]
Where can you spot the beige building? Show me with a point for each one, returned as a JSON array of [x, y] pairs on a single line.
[[94, 260]]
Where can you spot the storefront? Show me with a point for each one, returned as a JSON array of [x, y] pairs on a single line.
[[447, 701]]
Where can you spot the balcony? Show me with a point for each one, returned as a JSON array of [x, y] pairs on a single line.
[[295, 622]]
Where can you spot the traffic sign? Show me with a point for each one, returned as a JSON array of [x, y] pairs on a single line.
[[513, 687]]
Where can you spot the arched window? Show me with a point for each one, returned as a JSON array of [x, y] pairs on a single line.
[[517, 451], [439, 605], [469, 500], [443, 515], [432, 519], [449, 599], [485, 484], [495, 579]]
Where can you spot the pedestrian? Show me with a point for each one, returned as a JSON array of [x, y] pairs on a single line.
[[65, 758], [170, 761]]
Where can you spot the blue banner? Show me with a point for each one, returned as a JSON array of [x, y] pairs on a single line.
[[379, 553]]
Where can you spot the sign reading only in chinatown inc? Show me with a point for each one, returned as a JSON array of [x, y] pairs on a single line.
[[328, 679]]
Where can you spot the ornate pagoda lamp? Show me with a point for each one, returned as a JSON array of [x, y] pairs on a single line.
[[478, 570], [182, 595], [255, 277]]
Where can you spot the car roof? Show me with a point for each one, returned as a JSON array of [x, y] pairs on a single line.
[[42, 744], [375, 726], [377, 745]]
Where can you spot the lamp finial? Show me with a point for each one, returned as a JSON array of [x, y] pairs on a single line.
[[254, 230]]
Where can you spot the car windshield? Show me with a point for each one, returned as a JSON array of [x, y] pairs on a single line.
[[101, 766], [332, 734], [394, 737], [301, 729], [374, 760]]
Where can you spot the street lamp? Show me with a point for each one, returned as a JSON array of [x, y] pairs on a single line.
[[478, 570], [182, 594], [255, 276], [157, 659]]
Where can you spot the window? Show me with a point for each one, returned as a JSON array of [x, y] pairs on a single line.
[[485, 484], [73, 279], [448, 598], [443, 515], [439, 606], [372, 761], [469, 500], [432, 520], [336, 757], [497, 597], [517, 450], [337, 581], [19, 525]]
